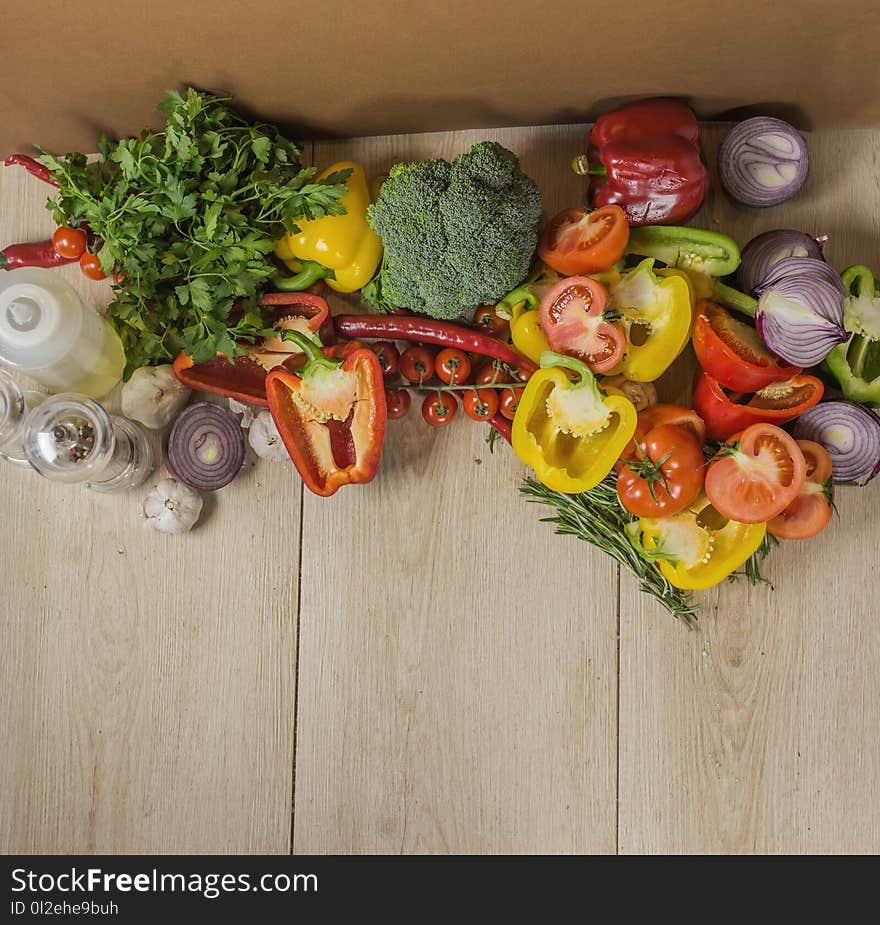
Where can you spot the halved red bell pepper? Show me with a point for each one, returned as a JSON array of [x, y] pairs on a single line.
[[331, 416], [777, 403], [244, 378]]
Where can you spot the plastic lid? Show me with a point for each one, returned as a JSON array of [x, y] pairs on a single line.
[[40, 317], [68, 438]]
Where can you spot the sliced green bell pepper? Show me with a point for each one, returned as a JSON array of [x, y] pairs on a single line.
[[706, 252]]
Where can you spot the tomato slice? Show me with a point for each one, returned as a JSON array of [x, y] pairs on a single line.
[[577, 241], [572, 318], [733, 353], [811, 510], [756, 474]]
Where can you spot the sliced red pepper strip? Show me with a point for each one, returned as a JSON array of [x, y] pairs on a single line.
[[332, 417], [778, 403], [32, 166]]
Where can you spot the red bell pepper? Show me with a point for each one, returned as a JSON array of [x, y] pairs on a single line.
[[244, 379], [645, 157], [331, 416], [777, 403]]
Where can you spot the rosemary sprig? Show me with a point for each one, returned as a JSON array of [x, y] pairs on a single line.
[[596, 517], [752, 568]]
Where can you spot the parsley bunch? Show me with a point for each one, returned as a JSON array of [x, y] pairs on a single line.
[[187, 217]]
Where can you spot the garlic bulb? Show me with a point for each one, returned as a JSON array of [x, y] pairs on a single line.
[[265, 439], [154, 396], [246, 411], [172, 507]]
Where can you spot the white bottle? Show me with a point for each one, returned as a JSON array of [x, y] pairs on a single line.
[[48, 333]]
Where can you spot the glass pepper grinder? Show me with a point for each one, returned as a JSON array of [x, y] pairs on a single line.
[[14, 406], [71, 438]]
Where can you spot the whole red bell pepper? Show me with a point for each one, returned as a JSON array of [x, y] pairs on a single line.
[[331, 416], [777, 403], [645, 157]]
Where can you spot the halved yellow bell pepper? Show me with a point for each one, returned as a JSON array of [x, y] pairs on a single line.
[[341, 248], [698, 547], [570, 433], [656, 314], [526, 332]]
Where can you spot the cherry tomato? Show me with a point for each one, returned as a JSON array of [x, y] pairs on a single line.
[[389, 357], [510, 399], [480, 404], [398, 402], [573, 320], [577, 241], [492, 373], [439, 408], [733, 353], [810, 511], [453, 366], [776, 403], [756, 474], [69, 242], [417, 364], [486, 319], [664, 475], [91, 266]]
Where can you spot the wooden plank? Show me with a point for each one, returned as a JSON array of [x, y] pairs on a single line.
[[149, 680], [457, 682], [758, 733]]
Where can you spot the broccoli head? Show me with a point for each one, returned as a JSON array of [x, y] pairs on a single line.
[[456, 235]]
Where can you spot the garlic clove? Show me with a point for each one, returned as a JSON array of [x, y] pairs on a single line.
[[154, 396], [265, 440], [172, 507]]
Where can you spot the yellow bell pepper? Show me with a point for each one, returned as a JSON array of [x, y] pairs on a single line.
[[698, 547], [526, 332], [656, 314], [570, 433], [341, 248]]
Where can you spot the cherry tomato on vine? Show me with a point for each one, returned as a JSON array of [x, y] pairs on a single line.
[[91, 266], [480, 404], [69, 242], [398, 402], [509, 402], [486, 319], [756, 474], [439, 408], [453, 366], [492, 372], [811, 510], [388, 355], [664, 474], [417, 364], [577, 241]]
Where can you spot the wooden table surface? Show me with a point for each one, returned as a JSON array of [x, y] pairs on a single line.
[[419, 665]]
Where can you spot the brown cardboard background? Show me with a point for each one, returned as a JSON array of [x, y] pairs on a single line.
[[379, 66]]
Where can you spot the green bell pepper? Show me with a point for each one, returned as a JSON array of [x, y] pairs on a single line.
[[706, 252], [856, 363]]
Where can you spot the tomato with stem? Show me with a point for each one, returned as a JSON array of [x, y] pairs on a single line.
[[492, 373], [453, 366], [756, 474], [488, 321], [417, 364], [69, 243], [398, 402], [480, 404], [389, 357], [811, 510], [579, 241], [575, 320], [439, 408], [509, 402]]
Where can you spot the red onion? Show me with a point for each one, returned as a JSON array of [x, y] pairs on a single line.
[[850, 433], [800, 310], [763, 252], [205, 446], [763, 161]]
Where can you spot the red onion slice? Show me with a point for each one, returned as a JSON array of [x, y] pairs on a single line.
[[205, 447], [850, 433], [800, 310], [763, 252], [763, 161]]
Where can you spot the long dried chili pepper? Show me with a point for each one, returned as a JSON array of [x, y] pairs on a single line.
[[36, 254], [428, 331], [32, 166]]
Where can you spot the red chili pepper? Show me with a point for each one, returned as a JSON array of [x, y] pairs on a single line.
[[646, 158], [502, 425], [32, 166], [36, 254], [331, 417], [422, 330]]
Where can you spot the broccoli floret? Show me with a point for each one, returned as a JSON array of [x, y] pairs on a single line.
[[456, 235]]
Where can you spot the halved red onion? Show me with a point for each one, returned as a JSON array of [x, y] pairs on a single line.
[[763, 252], [850, 433], [205, 446], [763, 161], [800, 310]]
